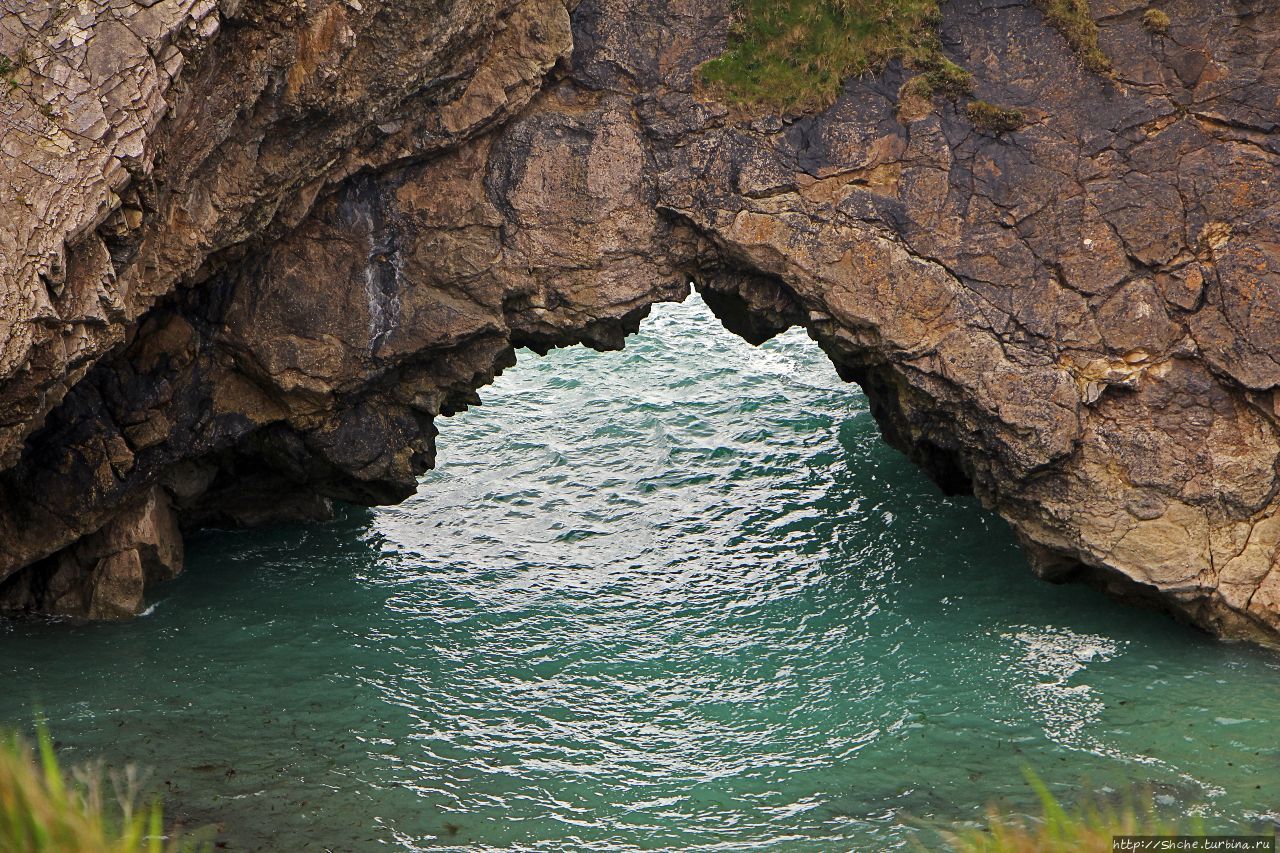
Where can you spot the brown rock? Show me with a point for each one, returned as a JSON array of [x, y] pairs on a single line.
[[116, 583]]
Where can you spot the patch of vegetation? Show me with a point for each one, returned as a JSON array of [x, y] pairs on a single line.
[[44, 810], [1088, 830], [995, 119], [794, 55], [941, 76], [917, 87], [9, 71], [1156, 21], [1072, 19]]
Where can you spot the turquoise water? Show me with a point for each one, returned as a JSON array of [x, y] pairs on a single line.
[[680, 596]]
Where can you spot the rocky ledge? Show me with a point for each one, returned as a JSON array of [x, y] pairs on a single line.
[[256, 247]]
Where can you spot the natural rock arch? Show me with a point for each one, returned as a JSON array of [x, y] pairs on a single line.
[[1073, 320]]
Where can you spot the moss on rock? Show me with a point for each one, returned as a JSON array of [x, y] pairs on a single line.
[[1156, 21], [1072, 19], [993, 118]]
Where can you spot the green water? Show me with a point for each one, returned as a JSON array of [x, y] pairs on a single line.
[[680, 596]]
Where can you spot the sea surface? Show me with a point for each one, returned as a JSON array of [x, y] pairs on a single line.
[[676, 597]]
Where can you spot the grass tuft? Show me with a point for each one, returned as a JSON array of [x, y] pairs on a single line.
[[9, 71], [1156, 21], [1086, 830], [938, 76], [944, 77], [794, 55], [1072, 19], [44, 810], [995, 119]]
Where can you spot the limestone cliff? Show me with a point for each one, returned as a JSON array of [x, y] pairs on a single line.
[[257, 247]]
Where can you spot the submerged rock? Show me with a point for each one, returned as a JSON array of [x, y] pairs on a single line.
[[258, 247]]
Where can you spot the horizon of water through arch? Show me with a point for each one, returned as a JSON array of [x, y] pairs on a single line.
[[680, 596]]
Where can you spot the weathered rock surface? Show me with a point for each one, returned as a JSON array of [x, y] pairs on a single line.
[[296, 235], [104, 575]]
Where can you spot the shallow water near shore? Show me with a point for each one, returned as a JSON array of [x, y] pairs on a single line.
[[680, 596]]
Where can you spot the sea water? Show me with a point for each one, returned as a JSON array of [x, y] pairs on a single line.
[[676, 597]]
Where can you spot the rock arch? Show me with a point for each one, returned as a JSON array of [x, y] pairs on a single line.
[[1073, 321]]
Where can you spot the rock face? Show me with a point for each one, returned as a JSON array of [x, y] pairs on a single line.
[[260, 246]]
